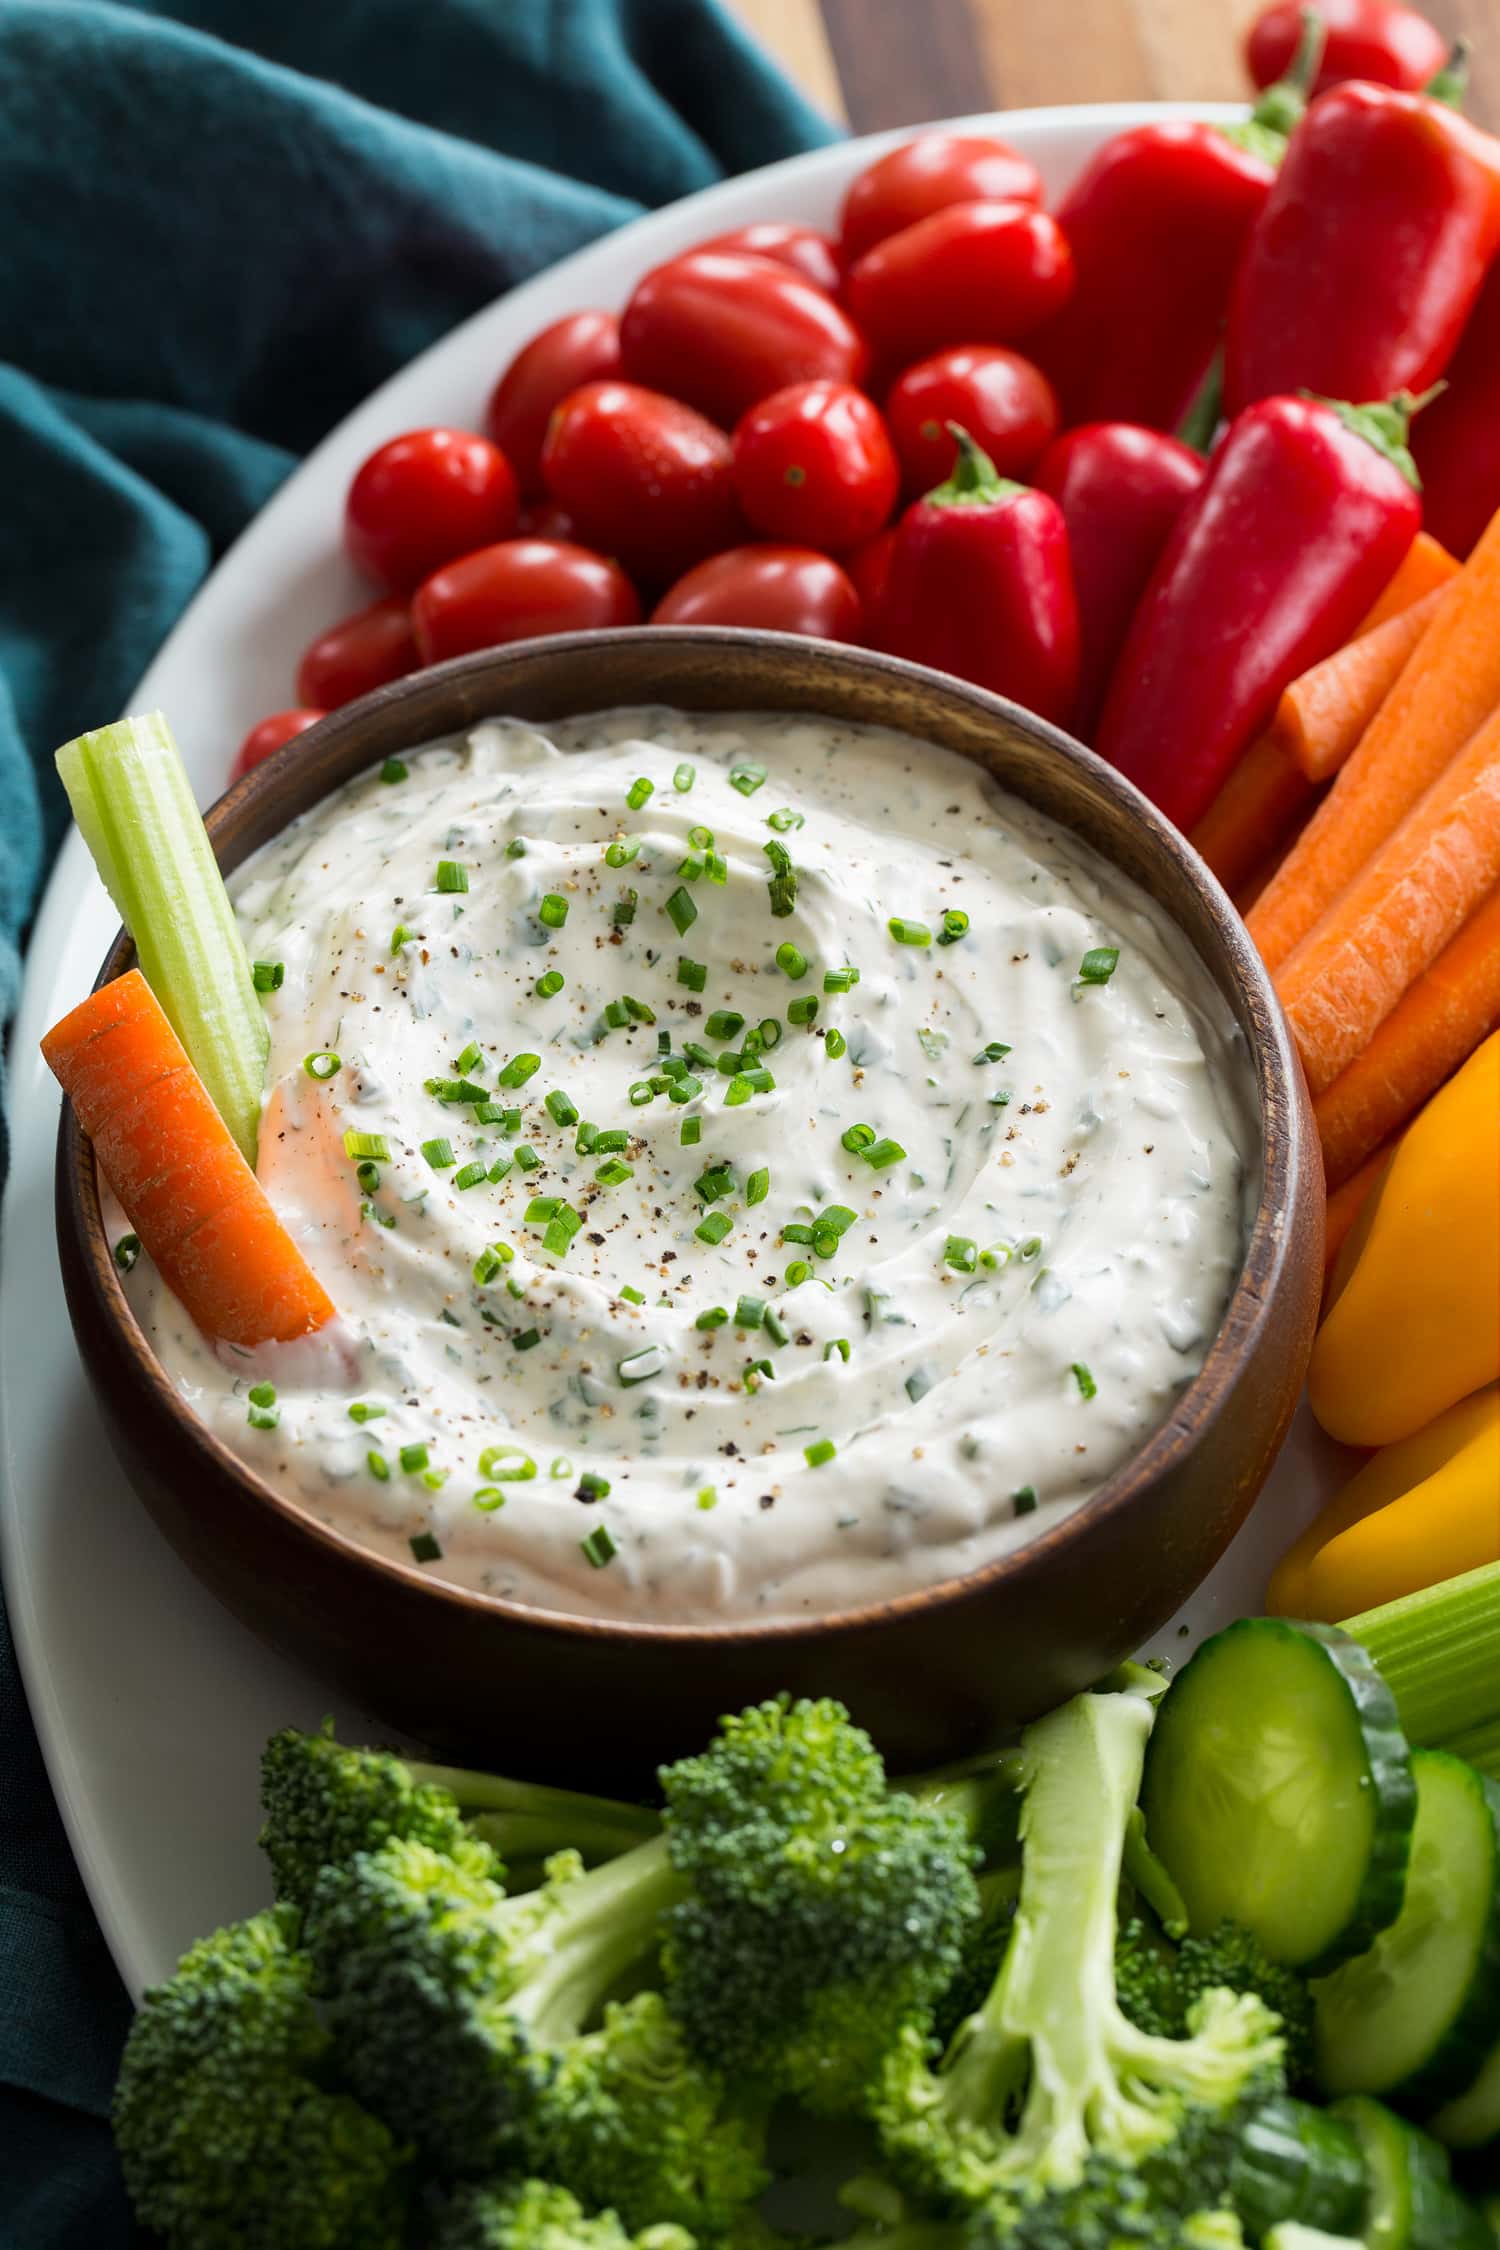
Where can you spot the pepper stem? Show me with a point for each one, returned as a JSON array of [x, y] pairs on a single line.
[[1281, 105], [975, 481], [1451, 83], [1384, 423]]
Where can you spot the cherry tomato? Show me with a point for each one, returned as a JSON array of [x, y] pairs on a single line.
[[584, 348], [424, 498], [1372, 39], [926, 175], [813, 466], [511, 591], [1004, 402], [779, 589], [802, 248], [368, 650], [643, 477], [723, 329], [977, 273], [869, 566], [281, 727]]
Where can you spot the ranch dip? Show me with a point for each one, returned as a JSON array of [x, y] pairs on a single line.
[[760, 1166]]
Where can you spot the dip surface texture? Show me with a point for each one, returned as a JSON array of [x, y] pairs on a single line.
[[685, 1274]]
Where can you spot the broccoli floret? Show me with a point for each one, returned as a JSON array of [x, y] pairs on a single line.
[[228, 2136], [631, 2118], [1146, 1980], [535, 2215], [447, 1999], [1050, 2072], [983, 1953], [825, 1907], [1231, 1958], [325, 1801]]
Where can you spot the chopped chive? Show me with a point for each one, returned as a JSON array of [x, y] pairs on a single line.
[[439, 1154], [585, 1137], [599, 1548], [616, 1014], [456, 1090], [794, 1231], [487, 1498], [560, 1108], [715, 1317], [746, 775], [498, 1170], [690, 868], [994, 1050], [400, 936], [729, 1062], [368, 1176], [908, 933], [631, 1296], [1024, 1500], [491, 1260], [492, 1113], [701, 838], [683, 777], [858, 1138], [268, 976], [768, 1030], [692, 1132], [637, 1010], [623, 911], [424, 1547], [803, 1009], [516, 848], [528, 1339], [791, 960], [641, 1092], [540, 1209], [758, 1186], [526, 1156], [815, 1455], [560, 1233], [611, 1140], [775, 1327], [640, 1367], [707, 1497], [758, 1371], [469, 1175], [834, 1042], [561, 1466], [378, 1466], [797, 1272], [591, 1487], [716, 867], [413, 1458], [507, 1464], [1098, 964], [452, 877], [838, 1216], [471, 1059], [622, 851], [364, 1410], [882, 1153], [783, 892], [322, 1066], [680, 911], [724, 1023], [960, 1253], [263, 1394], [713, 1228], [547, 985], [518, 1070], [715, 1183], [127, 1251], [553, 911], [614, 1172], [638, 792], [840, 980], [737, 1092], [694, 974], [955, 926], [1084, 1380], [749, 1312], [760, 1080], [367, 1145], [393, 770], [840, 1344], [784, 818]]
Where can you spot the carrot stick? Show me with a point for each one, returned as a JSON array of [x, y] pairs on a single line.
[[1449, 686], [172, 1161], [1347, 1200], [1256, 805], [1424, 567], [1322, 715], [1435, 1027], [1340, 984]]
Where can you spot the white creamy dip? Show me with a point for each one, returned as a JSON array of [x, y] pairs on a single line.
[[674, 1412]]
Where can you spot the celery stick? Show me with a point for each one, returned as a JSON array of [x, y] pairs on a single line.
[[136, 812], [1480, 1745], [1439, 1653]]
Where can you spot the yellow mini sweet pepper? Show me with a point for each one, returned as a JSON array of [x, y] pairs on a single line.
[[1421, 1511], [1414, 1321]]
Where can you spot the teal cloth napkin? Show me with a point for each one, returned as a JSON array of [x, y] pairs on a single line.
[[222, 222]]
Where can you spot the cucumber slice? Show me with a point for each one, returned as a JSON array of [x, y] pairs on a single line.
[[1278, 1790], [1297, 2162], [1413, 2203], [1472, 2118], [1414, 2018]]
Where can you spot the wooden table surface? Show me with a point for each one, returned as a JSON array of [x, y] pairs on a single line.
[[873, 63]]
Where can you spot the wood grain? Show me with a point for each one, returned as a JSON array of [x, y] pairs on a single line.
[[905, 62]]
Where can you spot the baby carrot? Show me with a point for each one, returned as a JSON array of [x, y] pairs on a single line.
[[172, 1161], [1253, 812], [1413, 896], [1431, 1030], [1424, 567], [1449, 686], [1322, 715]]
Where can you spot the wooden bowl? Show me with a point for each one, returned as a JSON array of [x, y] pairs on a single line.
[[932, 1672]]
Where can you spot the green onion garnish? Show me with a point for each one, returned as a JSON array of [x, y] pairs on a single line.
[[803, 1009], [791, 960], [681, 911], [713, 1228], [622, 851], [840, 980], [683, 778], [715, 1317], [494, 1113], [599, 1547], [797, 1272], [507, 1464], [472, 1058], [882, 1153], [1084, 1380], [127, 1251], [738, 1091], [775, 1327], [623, 912], [553, 911], [499, 1168], [630, 1295], [516, 848], [715, 1183], [585, 1138], [768, 1030], [707, 1497], [908, 933], [724, 1023], [716, 867], [746, 775], [960, 1253], [553, 981], [487, 1498], [1098, 964], [561, 1231], [528, 1339], [955, 926], [758, 1186], [611, 1140], [834, 1042], [784, 818], [413, 1459], [840, 1344], [692, 1131], [322, 1066], [452, 877], [994, 1050], [858, 1138], [815, 1455], [368, 1176], [638, 792], [560, 1108], [267, 976], [363, 1410], [540, 1209], [640, 1367], [400, 936], [614, 1172], [456, 1090], [701, 838], [641, 1092], [758, 1371], [1024, 1500], [424, 1547], [263, 1412], [378, 1466], [469, 1176], [694, 974], [372, 1146], [439, 1154], [638, 1010], [749, 1312], [393, 770], [690, 869], [490, 1261], [518, 1070], [591, 1487]]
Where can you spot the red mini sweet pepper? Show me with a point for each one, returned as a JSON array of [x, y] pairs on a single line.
[[1456, 440], [1307, 509], [1366, 39], [980, 585], [1121, 489], [1364, 265], [1157, 224]]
